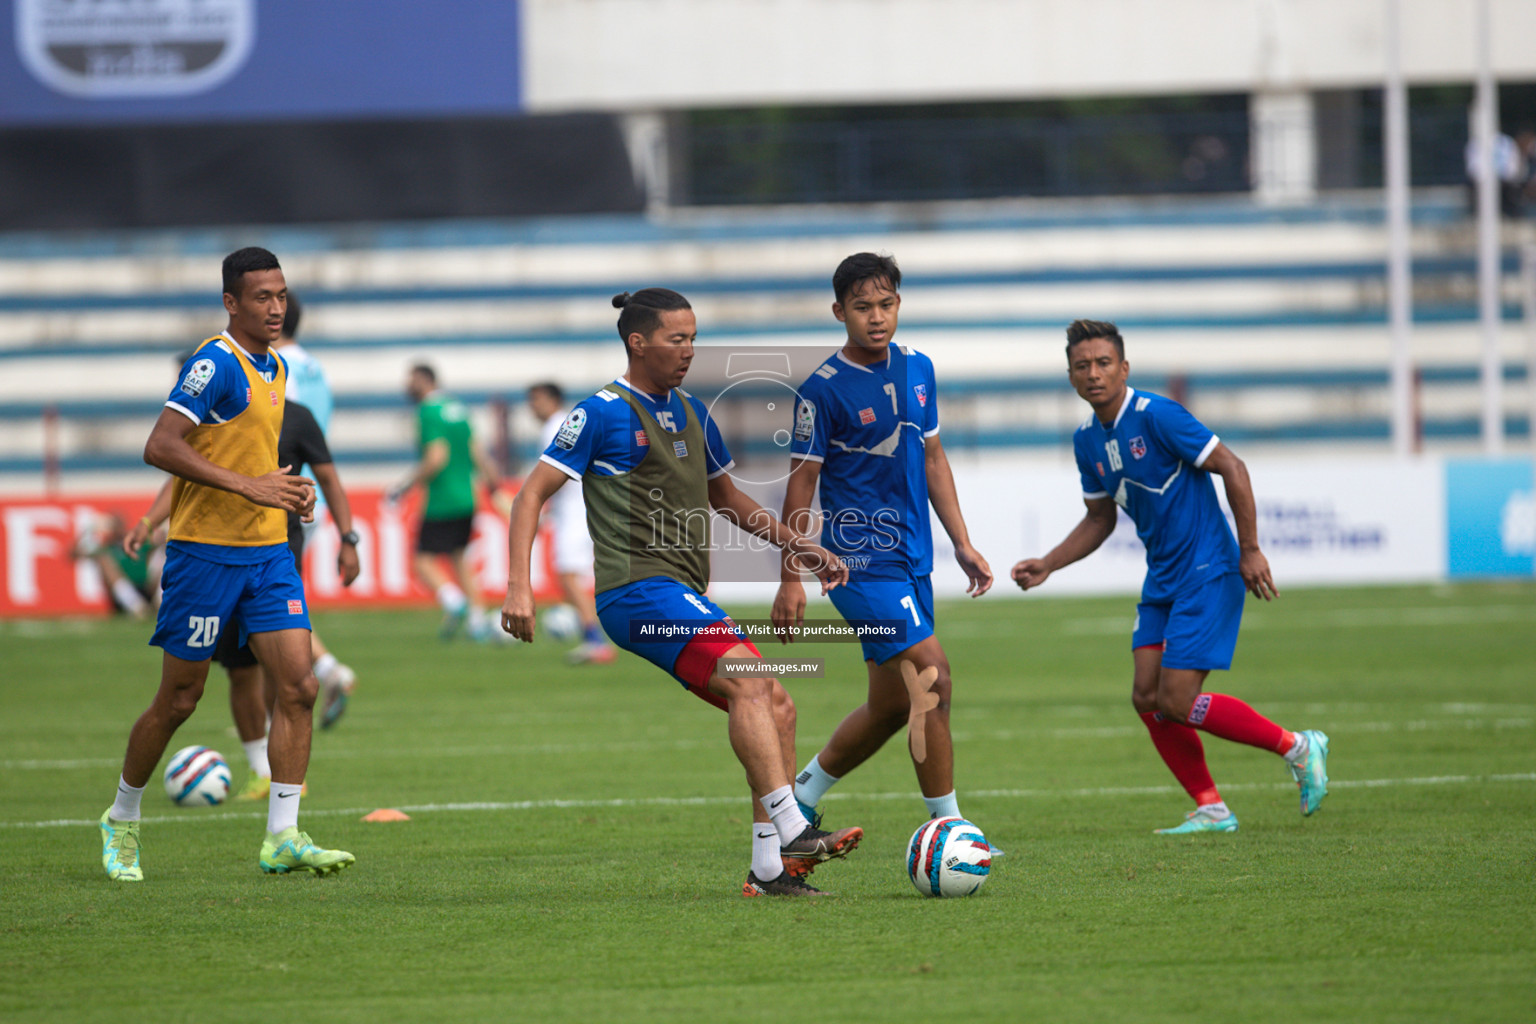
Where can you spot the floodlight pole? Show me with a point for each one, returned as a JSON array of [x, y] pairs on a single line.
[[1399, 263], [1485, 130]]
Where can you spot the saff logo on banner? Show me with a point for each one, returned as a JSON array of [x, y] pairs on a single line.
[[134, 47]]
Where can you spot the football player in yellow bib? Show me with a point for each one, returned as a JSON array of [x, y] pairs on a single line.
[[228, 565]]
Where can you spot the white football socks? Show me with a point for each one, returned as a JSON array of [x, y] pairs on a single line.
[[126, 806], [766, 863], [813, 782], [324, 666], [283, 806], [256, 757], [451, 599], [943, 806], [781, 807], [1215, 811]]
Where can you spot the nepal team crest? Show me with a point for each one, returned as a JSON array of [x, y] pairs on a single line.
[[1138, 447]]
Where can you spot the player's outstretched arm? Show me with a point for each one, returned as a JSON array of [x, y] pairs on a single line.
[[347, 565], [788, 612], [1252, 564], [159, 512], [946, 504], [1086, 537], [517, 611], [740, 509], [167, 449]]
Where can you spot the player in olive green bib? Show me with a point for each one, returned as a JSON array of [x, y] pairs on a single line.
[[652, 466]]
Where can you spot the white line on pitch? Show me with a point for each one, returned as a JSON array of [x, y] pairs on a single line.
[[961, 735], [706, 801]]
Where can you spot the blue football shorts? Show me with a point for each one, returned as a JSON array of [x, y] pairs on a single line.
[[200, 599], [659, 618], [1198, 629], [891, 615]]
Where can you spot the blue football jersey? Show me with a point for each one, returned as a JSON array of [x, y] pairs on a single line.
[[212, 386], [1149, 461], [604, 435], [868, 426]]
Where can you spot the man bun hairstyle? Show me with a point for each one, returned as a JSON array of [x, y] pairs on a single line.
[[861, 267], [1082, 330], [640, 313], [246, 261]]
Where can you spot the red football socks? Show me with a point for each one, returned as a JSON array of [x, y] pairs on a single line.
[[1184, 754], [1232, 719]]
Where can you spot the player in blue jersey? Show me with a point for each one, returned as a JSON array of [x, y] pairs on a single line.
[[652, 464], [1148, 455], [310, 387], [867, 430], [228, 566]]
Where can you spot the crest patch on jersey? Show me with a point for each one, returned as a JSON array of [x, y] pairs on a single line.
[[198, 377], [866, 416], [805, 420], [570, 430], [921, 390], [1138, 447], [680, 449], [642, 439]]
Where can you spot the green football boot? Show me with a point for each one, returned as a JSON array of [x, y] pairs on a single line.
[[120, 849], [1201, 820], [1311, 773], [291, 850]]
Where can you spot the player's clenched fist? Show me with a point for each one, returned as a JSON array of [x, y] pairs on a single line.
[[1031, 572]]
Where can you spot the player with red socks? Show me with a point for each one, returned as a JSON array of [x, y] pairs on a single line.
[[652, 464], [1148, 455]]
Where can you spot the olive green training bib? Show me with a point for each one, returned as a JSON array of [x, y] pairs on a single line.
[[654, 519]]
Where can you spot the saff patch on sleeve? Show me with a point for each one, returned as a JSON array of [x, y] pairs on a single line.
[[198, 377], [570, 430], [805, 420], [680, 448], [866, 416], [642, 439], [295, 607]]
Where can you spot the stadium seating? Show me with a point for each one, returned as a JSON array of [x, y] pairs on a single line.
[[1267, 321]]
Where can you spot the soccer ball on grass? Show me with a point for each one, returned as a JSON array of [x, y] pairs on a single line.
[[948, 857], [197, 777], [561, 623]]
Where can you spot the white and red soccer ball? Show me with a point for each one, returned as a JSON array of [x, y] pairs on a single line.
[[948, 857], [197, 777]]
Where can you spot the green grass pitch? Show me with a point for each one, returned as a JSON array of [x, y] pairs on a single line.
[[579, 836]]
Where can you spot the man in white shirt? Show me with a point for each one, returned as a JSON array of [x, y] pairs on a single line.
[[566, 517]]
